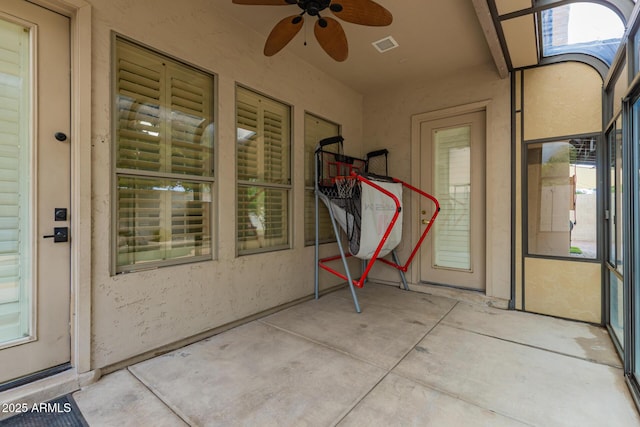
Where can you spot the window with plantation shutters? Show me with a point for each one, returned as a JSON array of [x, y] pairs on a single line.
[[164, 159], [263, 172], [315, 129]]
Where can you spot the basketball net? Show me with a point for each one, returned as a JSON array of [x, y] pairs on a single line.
[[345, 186]]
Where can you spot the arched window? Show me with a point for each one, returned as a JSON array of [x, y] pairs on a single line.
[[584, 27]]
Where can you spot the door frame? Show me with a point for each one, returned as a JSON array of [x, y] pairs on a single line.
[[416, 171], [79, 13]]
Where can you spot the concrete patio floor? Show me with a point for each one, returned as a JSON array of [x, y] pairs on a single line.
[[408, 359]]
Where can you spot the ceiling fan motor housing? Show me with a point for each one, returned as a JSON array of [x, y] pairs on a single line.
[[313, 7]]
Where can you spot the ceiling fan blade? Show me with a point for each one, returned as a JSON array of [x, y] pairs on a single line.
[[363, 12], [282, 33], [332, 38], [263, 2]]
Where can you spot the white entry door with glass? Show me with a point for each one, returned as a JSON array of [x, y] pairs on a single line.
[[34, 190], [452, 169]]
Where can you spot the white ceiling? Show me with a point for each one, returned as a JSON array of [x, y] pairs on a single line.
[[436, 38]]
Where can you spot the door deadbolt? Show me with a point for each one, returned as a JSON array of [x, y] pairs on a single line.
[[60, 214], [60, 235]]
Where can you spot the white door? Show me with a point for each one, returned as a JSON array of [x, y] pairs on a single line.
[[452, 169], [34, 189]]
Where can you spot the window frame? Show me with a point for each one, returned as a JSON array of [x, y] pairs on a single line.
[[585, 48], [525, 202], [310, 188], [286, 187], [116, 172]]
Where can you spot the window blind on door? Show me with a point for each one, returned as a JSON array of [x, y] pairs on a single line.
[[15, 183], [452, 183]]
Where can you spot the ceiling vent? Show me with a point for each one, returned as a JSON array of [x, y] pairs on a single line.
[[385, 44]]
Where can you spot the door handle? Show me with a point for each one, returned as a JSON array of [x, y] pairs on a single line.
[[426, 221], [60, 235]]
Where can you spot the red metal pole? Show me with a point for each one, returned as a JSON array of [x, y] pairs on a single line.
[[387, 232], [360, 283], [433, 217]]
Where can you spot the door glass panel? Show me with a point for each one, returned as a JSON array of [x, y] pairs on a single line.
[[611, 220], [618, 200], [452, 184], [614, 230], [616, 306], [635, 238], [15, 248]]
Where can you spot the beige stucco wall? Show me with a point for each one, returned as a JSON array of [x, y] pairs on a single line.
[[387, 124], [560, 100], [563, 288], [138, 312]]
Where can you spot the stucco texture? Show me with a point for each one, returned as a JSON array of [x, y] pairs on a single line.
[[139, 312], [563, 288], [562, 99], [387, 124]]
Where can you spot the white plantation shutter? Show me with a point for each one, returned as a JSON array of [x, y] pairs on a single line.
[[191, 106], [247, 147], [138, 130], [248, 223], [247, 170], [325, 229], [263, 172], [190, 217], [316, 129], [139, 220], [276, 216], [164, 157], [276, 147], [275, 156], [15, 211], [149, 86], [191, 154]]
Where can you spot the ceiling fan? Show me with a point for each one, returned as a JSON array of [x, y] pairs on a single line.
[[328, 31]]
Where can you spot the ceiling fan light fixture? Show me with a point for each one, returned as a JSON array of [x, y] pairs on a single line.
[[385, 44]]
